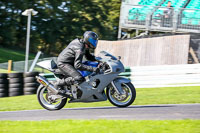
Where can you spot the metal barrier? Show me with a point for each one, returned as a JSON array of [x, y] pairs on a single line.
[[158, 76], [162, 17], [189, 19], [157, 18], [164, 76]]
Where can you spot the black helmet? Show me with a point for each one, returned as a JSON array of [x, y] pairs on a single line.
[[90, 38]]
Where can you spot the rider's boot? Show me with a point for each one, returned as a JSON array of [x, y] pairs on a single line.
[[68, 81]]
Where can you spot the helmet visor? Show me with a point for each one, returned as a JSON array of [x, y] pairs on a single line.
[[93, 42]]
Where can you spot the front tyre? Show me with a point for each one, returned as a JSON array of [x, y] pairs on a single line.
[[122, 100], [49, 101]]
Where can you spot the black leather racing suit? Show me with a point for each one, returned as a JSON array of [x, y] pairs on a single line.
[[70, 60]]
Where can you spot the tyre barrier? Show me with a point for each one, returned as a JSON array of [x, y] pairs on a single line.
[[3, 85], [30, 83], [16, 84]]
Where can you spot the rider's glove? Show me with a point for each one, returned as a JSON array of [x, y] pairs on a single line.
[[100, 65], [96, 70]]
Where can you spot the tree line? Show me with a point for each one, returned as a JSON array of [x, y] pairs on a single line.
[[57, 23]]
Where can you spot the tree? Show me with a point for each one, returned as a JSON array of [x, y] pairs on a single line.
[[57, 23]]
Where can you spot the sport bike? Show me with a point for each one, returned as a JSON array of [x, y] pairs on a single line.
[[107, 84]]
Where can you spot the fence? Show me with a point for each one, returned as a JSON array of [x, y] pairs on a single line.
[[157, 18], [19, 65]]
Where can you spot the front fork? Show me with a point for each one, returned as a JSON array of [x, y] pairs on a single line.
[[118, 90]]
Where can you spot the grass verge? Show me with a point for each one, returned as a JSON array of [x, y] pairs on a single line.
[[3, 71], [145, 96], [15, 55], [103, 126]]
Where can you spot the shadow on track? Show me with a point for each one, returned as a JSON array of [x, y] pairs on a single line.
[[104, 108]]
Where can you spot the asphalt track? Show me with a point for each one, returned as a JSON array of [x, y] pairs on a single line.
[[143, 112]]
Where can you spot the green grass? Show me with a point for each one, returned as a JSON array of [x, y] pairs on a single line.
[[168, 95], [101, 126], [3, 71], [6, 71], [145, 96], [36, 69], [13, 54]]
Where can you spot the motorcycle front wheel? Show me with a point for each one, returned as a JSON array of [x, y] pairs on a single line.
[[49, 101], [122, 100]]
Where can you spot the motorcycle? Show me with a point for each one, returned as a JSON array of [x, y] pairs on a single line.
[[107, 84]]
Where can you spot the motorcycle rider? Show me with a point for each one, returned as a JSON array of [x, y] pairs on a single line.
[[70, 59]]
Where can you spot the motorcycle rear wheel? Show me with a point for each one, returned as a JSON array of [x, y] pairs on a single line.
[[43, 96], [122, 100]]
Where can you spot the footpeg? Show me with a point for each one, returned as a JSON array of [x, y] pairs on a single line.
[[61, 91]]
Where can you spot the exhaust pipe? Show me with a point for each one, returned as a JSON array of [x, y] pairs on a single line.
[[45, 83]]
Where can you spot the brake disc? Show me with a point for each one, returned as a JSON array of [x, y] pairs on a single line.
[[121, 97]]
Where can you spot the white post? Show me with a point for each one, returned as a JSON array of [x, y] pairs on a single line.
[[28, 12], [35, 61], [27, 41]]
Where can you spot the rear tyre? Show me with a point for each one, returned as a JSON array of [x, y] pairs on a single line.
[[122, 100], [44, 98]]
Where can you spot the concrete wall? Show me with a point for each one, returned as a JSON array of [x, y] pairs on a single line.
[[166, 50]]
